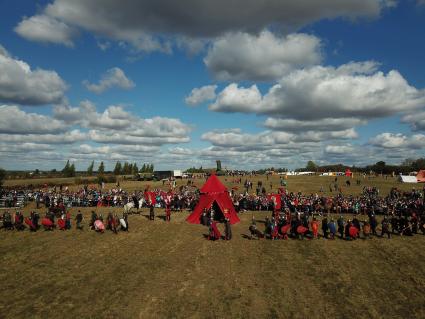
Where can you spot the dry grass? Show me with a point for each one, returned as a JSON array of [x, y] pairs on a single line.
[[168, 270]]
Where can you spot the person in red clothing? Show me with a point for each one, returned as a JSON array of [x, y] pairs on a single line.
[[168, 213], [315, 227]]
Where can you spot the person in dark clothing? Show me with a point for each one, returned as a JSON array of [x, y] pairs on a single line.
[[347, 230], [93, 219], [204, 217], [385, 228], [152, 213], [79, 220], [325, 227], [340, 223], [227, 230], [7, 221], [373, 224]]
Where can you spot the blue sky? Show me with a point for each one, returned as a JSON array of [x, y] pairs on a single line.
[[183, 84]]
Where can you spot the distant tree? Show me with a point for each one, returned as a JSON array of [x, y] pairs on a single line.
[[135, 169], [101, 169], [125, 168], [311, 166], [37, 172], [143, 169], [151, 169], [65, 170], [2, 176], [118, 168], [90, 169], [71, 172]]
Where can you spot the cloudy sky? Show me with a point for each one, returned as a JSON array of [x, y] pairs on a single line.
[[183, 83]]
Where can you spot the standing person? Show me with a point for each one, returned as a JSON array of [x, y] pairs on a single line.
[[315, 228], [68, 220], [152, 212], [227, 230], [385, 228], [168, 213], [332, 228], [125, 218], [325, 227], [373, 224], [79, 220], [340, 223]]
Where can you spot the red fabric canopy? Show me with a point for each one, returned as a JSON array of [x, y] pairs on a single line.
[[214, 191]]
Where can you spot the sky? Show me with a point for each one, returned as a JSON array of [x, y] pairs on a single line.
[[179, 84]]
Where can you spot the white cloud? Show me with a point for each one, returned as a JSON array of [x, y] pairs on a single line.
[[15, 121], [69, 137], [242, 56], [339, 149], [146, 24], [398, 141], [113, 78], [43, 28], [352, 90], [19, 84], [326, 124], [201, 95], [416, 120]]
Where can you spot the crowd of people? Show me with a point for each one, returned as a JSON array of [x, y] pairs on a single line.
[[294, 215], [51, 221]]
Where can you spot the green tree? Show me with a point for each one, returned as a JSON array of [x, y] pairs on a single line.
[[65, 170], [90, 169], [311, 166], [125, 168], [135, 169], [143, 169], [2, 176], [118, 168], [101, 169], [71, 171]]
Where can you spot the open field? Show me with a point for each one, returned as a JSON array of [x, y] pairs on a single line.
[[169, 270]]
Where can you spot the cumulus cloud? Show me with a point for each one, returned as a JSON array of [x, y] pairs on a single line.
[[44, 28], [116, 125], [140, 22], [201, 95], [326, 124], [398, 140], [242, 56], [15, 121], [416, 120], [19, 84], [339, 149], [113, 78], [351, 90], [69, 137]]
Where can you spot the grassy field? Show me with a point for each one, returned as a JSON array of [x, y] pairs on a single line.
[[169, 270]]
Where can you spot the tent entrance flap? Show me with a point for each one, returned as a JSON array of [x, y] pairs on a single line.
[[218, 212]]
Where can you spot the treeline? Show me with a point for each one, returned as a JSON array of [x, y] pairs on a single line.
[[120, 169], [131, 168]]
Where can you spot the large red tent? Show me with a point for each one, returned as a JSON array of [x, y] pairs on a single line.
[[212, 192]]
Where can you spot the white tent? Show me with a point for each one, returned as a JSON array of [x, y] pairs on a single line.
[[407, 179]]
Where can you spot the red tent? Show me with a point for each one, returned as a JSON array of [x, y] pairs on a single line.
[[348, 173], [212, 192]]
